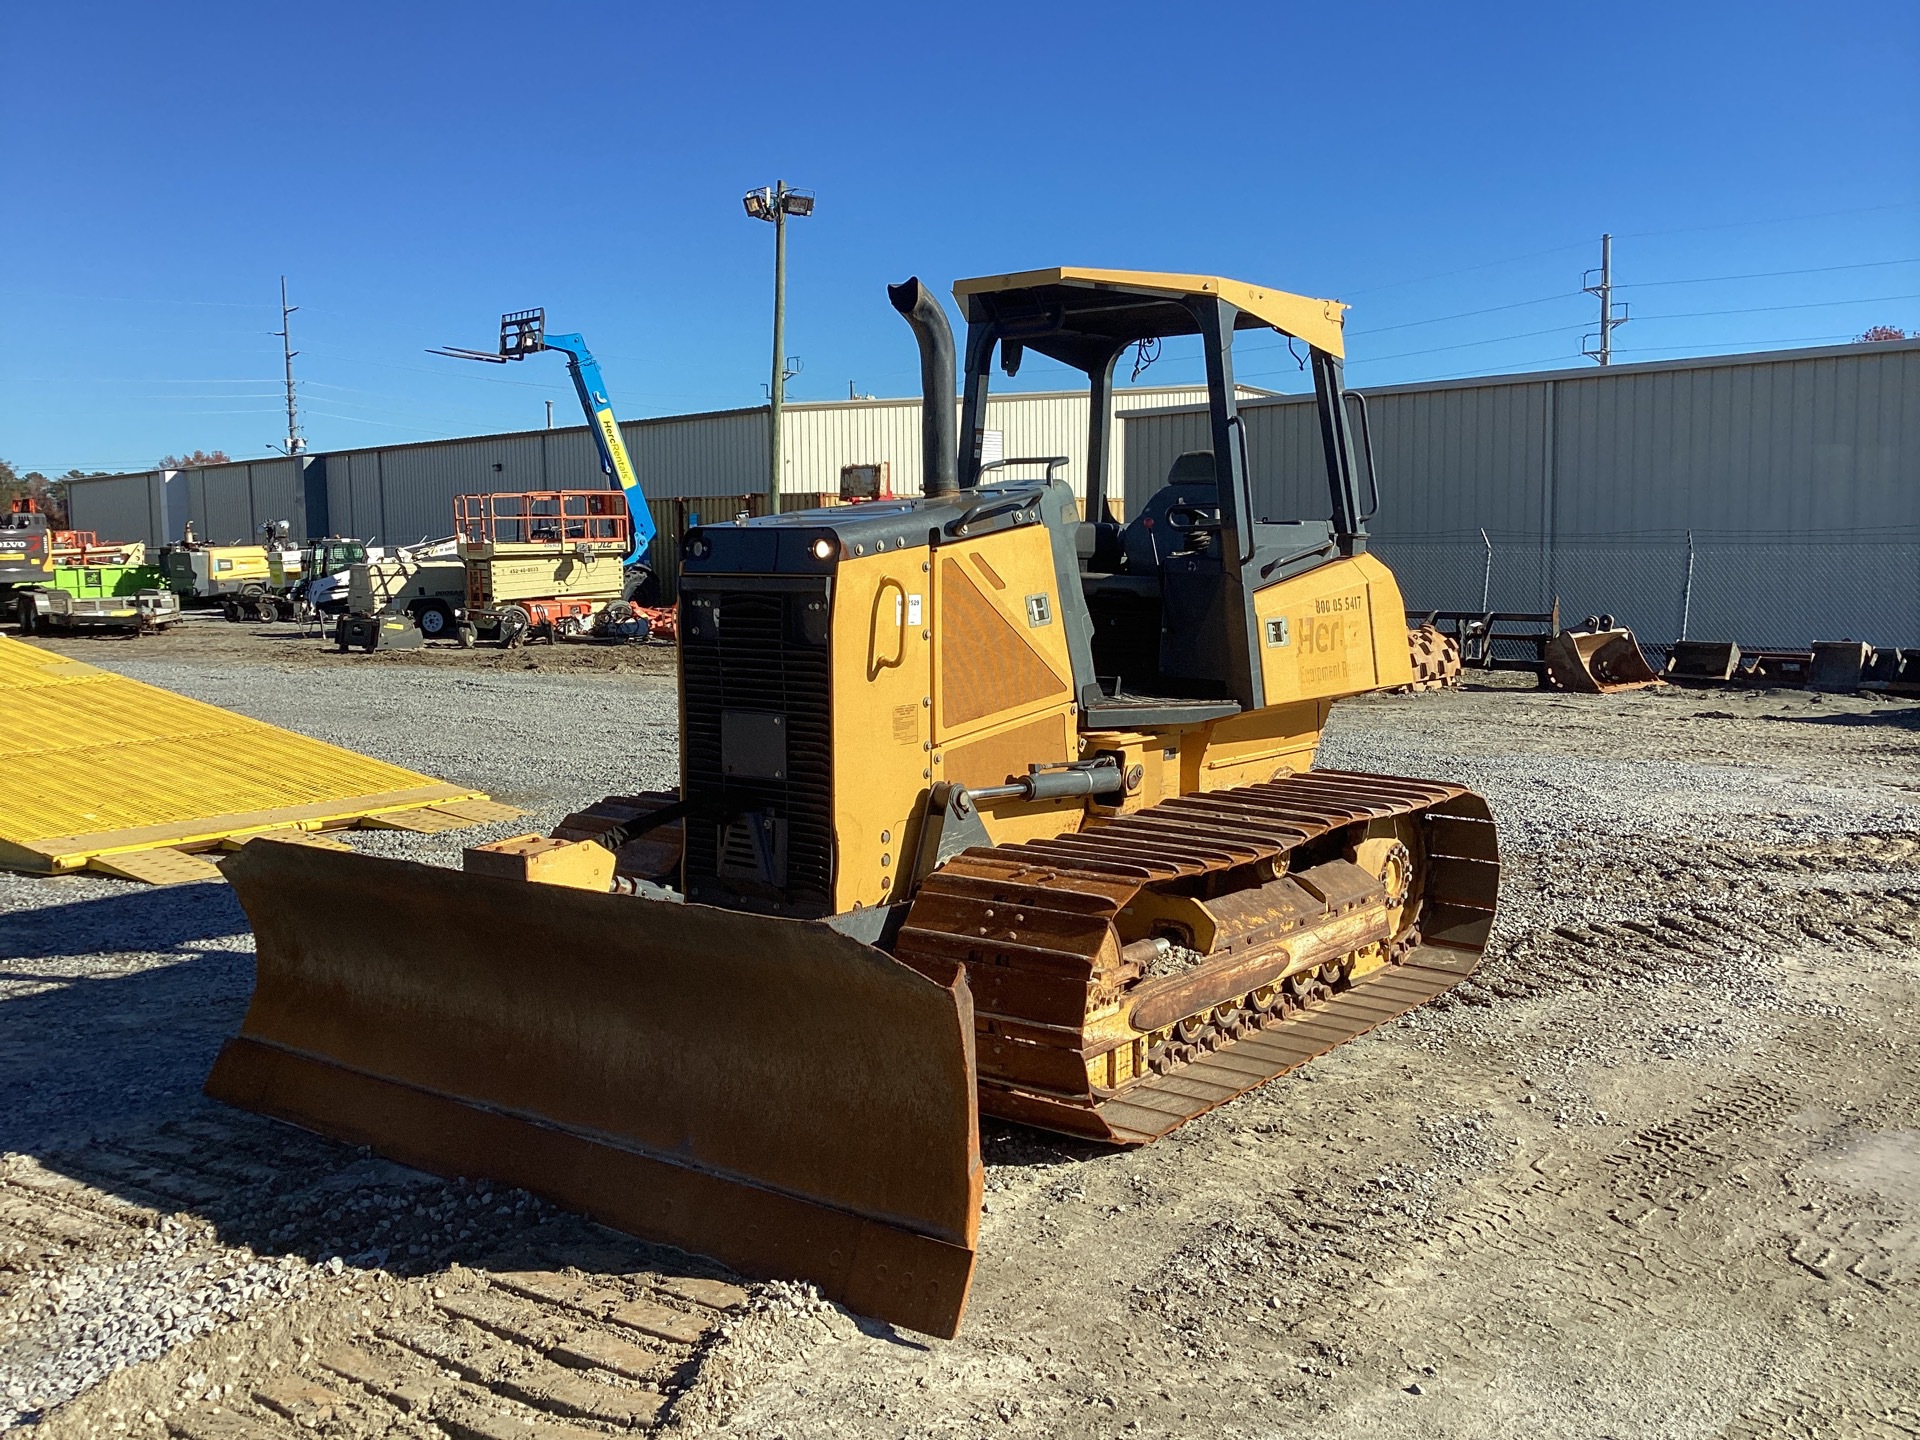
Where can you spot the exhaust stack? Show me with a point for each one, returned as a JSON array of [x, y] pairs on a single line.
[[939, 449]]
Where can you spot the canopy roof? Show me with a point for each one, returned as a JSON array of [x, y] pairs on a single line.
[[1127, 305]]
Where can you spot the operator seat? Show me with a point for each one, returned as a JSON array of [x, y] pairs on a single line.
[[1157, 624], [1182, 517]]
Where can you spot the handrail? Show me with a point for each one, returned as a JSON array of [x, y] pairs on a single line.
[[558, 518], [1366, 448]]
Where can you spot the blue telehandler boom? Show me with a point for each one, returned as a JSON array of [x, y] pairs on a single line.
[[524, 333]]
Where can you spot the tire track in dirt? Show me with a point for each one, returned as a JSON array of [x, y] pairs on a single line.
[[464, 1311], [1873, 1409], [1697, 937]]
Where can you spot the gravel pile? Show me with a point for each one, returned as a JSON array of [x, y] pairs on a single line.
[[87, 1321]]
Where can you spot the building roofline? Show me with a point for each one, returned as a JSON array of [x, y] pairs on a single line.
[[1591, 372], [876, 403]]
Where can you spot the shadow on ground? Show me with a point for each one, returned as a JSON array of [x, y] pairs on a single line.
[[90, 1051], [101, 1078], [1902, 717], [147, 919]]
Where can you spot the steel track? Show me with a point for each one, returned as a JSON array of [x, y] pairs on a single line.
[[1037, 927]]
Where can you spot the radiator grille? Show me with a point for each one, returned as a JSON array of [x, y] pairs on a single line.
[[759, 650]]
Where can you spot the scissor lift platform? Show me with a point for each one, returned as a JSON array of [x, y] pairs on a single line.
[[99, 772]]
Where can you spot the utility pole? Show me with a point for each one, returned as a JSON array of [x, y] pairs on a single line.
[[1604, 290], [775, 203], [296, 443], [778, 393]]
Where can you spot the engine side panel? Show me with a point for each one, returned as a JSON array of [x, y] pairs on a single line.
[[882, 720], [1340, 629]]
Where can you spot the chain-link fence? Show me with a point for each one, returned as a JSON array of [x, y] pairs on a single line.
[[1760, 591]]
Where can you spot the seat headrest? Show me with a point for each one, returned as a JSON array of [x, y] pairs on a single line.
[[1195, 465]]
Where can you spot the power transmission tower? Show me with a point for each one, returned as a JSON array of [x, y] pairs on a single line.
[[1609, 320], [296, 442]]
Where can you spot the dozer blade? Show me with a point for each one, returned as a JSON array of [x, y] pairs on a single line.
[[1597, 662], [765, 1091], [1702, 662]]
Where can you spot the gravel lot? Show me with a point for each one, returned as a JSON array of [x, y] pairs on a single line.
[[1654, 1172]]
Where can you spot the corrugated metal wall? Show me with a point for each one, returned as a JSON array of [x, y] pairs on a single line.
[[403, 493], [718, 454], [820, 439], [1586, 482], [120, 507], [1773, 499]]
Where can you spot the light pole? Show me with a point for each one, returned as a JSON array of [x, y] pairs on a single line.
[[774, 203]]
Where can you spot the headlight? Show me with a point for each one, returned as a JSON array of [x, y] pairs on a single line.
[[823, 549]]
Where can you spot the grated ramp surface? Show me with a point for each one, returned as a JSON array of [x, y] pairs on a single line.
[[96, 769]]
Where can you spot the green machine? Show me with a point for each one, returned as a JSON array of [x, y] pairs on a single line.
[[98, 597]]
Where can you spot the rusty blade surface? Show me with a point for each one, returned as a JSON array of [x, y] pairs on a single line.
[[765, 1091]]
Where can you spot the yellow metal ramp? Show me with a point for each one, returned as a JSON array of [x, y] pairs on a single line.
[[105, 773]]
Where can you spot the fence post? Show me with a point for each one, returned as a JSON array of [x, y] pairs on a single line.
[[1486, 573], [1686, 590]]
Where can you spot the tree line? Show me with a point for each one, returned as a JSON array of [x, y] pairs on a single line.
[[50, 494]]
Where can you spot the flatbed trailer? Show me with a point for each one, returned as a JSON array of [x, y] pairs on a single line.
[[97, 597]]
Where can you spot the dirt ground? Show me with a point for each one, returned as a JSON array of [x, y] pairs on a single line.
[[203, 638], [1655, 1171]]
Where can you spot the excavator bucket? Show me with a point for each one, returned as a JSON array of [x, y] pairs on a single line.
[[768, 1092], [1598, 659]]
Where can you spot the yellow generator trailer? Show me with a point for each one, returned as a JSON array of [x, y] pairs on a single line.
[[203, 574], [982, 807], [426, 583]]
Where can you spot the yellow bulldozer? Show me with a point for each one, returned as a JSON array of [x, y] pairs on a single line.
[[983, 807]]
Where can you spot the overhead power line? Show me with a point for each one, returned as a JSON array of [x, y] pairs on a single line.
[[131, 300], [1461, 345], [384, 424], [1468, 269], [347, 359], [1563, 329], [1766, 274], [1750, 344], [1768, 309]]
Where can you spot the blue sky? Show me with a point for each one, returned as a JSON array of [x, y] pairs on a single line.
[[415, 169]]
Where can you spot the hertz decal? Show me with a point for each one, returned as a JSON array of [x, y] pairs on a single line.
[[610, 432]]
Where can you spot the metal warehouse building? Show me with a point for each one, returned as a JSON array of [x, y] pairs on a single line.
[[398, 494], [1772, 499]]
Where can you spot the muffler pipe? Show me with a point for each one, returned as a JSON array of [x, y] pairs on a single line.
[[939, 450]]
